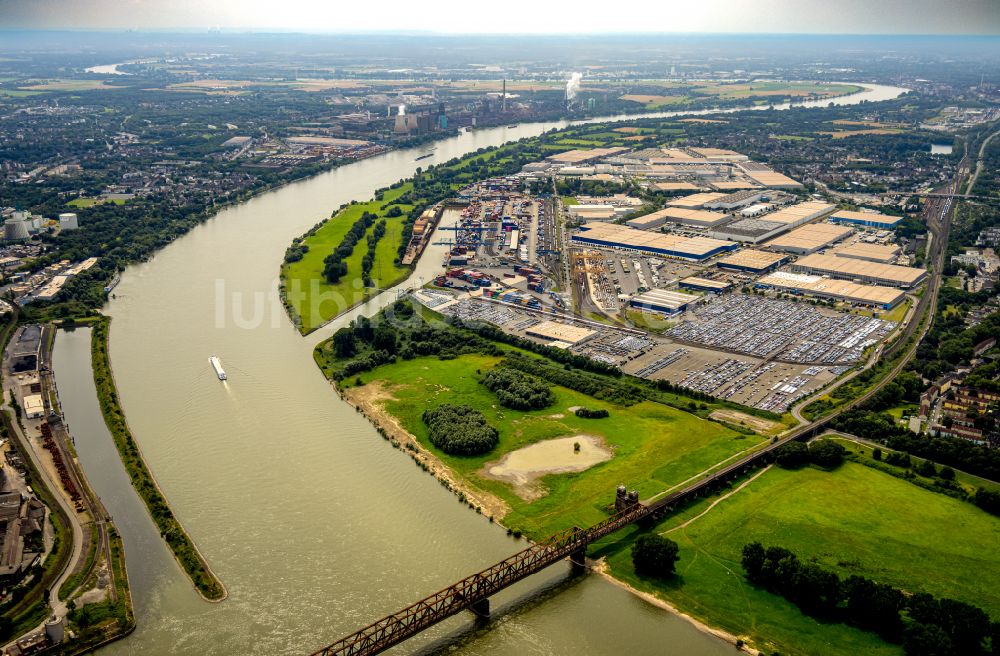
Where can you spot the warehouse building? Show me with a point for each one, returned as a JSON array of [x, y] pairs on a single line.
[[755, 231], [751, 231], [867, 219], [809, 238], [795, 215], [610, 235], [859, 270], [755, 210], [560, 332], [752, 261], [765, 177], [661, 300], [694, 218], [598, 212], [719, 154], [675, 186], [648, 221], [885, 298], [34, 406], [696, 201], [882, 253], [732, 185], [704, 285], [736, 199]]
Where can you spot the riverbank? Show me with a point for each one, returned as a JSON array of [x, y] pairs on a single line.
[[208, 585]]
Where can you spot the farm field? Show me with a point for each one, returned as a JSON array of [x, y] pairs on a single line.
[[654, 446], [311, 297], [67, 85], [852, 520]]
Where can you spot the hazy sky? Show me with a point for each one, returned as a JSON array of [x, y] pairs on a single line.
[[537, 16]]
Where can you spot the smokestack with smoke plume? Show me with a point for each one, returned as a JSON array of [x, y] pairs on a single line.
[[573, 86], [402, 110]]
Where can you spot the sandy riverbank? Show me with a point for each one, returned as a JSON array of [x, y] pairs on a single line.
[[601, 568]]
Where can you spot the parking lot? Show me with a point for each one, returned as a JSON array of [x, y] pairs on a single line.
[[784, 330], [757, 381]]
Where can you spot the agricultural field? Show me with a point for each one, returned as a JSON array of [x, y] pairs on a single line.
[[67, 85], [854, 520], [312, 298], [653, 446]]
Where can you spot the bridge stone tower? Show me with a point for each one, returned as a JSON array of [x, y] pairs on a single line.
[[625, 500]]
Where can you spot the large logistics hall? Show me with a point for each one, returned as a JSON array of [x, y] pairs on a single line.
[[885, 298], [882, 253], [662, 300], [610, 235], [867, 219], [809, 238], [688, 217], [859, 270], [773, 224], [704, 285], [752, 261]]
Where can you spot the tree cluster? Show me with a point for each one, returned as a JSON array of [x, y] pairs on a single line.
[[927, 626], [460, 430], [822, 453], [588, 413], [334, 266], [518, 390], [368, 261], [654, 555], [960, 454]]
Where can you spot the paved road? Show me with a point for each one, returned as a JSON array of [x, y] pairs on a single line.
[[979, 162]]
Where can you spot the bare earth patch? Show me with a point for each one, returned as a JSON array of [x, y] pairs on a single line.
[[758, 424], [523, 468]]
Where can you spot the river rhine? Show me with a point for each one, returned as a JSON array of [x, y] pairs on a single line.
[[315, 524]]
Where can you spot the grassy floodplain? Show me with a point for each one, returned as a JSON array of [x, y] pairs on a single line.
[[655, 446], [180, 543], [854, 520], [307, 274]]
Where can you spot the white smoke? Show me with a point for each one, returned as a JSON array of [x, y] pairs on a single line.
[[402, 110], [573, 86]]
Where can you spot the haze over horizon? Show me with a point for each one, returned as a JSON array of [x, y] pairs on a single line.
[[980, 17]]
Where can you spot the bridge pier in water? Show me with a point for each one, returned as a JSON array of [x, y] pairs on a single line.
[[481, 609]]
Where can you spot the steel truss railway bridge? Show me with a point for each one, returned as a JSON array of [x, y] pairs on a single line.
[[473, 592]]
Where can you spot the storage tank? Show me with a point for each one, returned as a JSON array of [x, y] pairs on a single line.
[[55, 629], [68, 221], [15, 229]]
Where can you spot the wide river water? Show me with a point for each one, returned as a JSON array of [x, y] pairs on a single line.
[[315, 524]]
